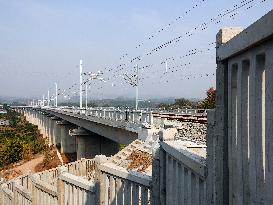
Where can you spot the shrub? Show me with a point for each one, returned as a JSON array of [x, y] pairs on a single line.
[[12, 152], [20, 140]]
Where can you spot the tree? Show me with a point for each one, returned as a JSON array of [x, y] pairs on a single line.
[[164, 106], [210, 100], [182, 102]]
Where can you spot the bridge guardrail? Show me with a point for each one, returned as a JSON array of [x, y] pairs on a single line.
[[23, 180], [6, 195], [76, 190], [83, 167], [22, 195], [182, 177], [122, 187], [131, 116]]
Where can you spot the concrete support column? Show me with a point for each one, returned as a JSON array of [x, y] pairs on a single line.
[[108, 147], [47, 127], [268, 125], [68, 142], [35, 118], [90, 144], [51, 130], [56, 131], [39, 117], [31, 116], [43, 125]]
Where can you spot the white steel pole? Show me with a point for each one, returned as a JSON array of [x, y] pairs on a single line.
[[43, 104], [166, 66], [56, 102], [80, 84], [136, 87], [86, 95], [48, 100]]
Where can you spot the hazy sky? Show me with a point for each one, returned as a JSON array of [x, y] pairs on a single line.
[[42, 42]]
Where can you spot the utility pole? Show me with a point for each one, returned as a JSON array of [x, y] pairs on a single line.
[[86, 95], [80, 84], [56, 102], [166, 66], [136, 87], [43, 104], [48, 100]]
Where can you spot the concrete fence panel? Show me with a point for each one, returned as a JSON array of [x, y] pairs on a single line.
[[74, 190], [122, 187], [42, 192], [22, 196], [7, 196], [183, 177]]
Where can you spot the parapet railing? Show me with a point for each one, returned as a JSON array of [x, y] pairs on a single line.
[[22, 180], [131, 116], [123, 187], [42, 192], [182, 176], [70, 190], [52, 186], [22, 195], [114, 187], [139, 117], [50, 176], [6, 195], [83, 167], [74, 190]]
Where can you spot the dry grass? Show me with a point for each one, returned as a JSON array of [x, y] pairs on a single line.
[[139, 160]]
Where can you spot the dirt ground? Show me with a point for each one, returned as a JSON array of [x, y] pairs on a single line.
[[21, 168], [38, 163], [139, 160]]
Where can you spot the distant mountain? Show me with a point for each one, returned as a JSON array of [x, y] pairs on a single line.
[[13, 100], [116, 102]]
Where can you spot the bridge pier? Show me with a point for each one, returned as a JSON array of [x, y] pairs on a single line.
[[56, 131], [47, 127], [108, 147], [68, 142], [44, 121], [90, 144]]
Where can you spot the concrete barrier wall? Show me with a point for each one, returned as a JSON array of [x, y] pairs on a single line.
[[243, 125], [6, 195], [42, 192], [74, 190], [83, 167], [115, 187], [22, 196], [122, 187], [23, 180], [250, 128], [182, 177]]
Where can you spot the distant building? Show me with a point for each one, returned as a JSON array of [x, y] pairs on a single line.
[[4, 122], [2, 110]]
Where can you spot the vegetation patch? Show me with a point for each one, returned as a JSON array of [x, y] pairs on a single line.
[[207, 103], [20, 140], [50, 161]]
